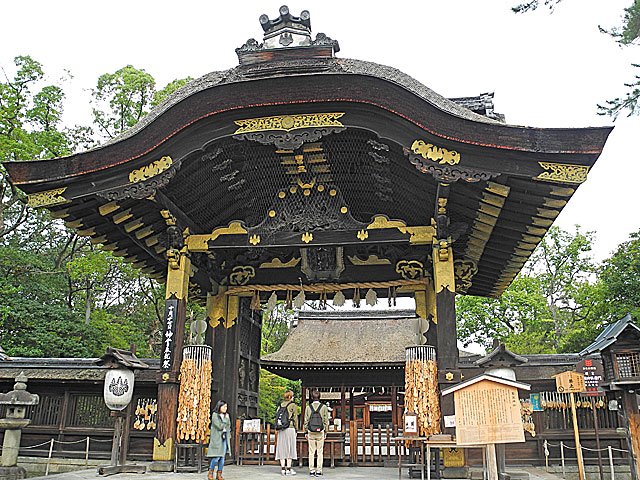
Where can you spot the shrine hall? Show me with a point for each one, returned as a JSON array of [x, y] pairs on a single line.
[[300, 175]]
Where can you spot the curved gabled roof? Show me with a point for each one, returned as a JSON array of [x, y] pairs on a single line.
[[507, 183]]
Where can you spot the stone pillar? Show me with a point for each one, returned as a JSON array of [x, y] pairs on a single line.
[[16, 401], [177, 287]]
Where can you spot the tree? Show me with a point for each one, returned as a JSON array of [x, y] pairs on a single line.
[[171, 87], [552, 306], [627, 34], [121, 99], [30, 128], [275, 328], [620, 279]]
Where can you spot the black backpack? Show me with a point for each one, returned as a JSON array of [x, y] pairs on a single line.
[[282, 417], [315, 423]]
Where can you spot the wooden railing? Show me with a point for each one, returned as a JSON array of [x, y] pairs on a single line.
[[357, 445]]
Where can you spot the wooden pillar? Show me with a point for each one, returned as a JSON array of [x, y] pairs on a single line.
[[394, 405], [352, 415], [304, 405], [177, 286], [445, 296], [343, 407], [632, 417]]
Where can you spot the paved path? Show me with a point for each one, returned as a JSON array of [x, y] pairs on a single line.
[[244, 472], [250, 472]]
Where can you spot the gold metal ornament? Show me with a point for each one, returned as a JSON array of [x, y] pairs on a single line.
[[307, 237], [431, 152], [363, 235], [254, 239], [277, 263], [288, 122], [464, 270], [151, 170], [47, 198], [563, 172], [410, 269], [241, 275]]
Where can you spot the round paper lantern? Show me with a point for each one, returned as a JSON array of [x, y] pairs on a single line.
[[118, 388]]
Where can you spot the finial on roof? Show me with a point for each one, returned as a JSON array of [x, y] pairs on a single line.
[[286, 31]]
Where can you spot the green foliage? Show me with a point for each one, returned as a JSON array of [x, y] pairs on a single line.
[[121, 99], [275, 328], [171, 87], [272, 388], [620, 279], [552, 306], [533, 5]]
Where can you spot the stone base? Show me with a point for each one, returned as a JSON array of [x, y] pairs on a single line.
[[455, 472], [12, 473], [160, 466]]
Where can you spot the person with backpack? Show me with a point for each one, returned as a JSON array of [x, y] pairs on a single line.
[[316, 425], [285, 423]]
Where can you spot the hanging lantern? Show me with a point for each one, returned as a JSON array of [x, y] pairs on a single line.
[[118, 388]]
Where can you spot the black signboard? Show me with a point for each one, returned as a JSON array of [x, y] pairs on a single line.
[[169, 334], [593, 376]]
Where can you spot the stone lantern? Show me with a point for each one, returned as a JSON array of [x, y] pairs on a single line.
[[17, 402]]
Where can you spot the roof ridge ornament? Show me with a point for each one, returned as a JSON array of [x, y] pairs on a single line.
[[285, 32]]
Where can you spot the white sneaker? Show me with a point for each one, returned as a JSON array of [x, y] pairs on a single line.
[[283, 472], [291, 472]]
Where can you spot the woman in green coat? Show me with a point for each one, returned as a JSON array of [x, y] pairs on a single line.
[[219, 440]]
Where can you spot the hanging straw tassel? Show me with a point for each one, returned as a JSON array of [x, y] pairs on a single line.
[[393, 295], [389, 296], [338, 299], [323, 300], [289, 300], [356, 297]]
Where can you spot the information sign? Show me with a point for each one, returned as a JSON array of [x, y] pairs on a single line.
[[593, 376], [536, 403], [488, 412], [168, 335], [570, 382]]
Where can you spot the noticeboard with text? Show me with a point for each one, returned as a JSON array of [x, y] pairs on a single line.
[[593, 375], [570, 382], [488, 412]]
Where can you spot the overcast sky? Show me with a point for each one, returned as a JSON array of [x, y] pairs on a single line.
[[547, 70]]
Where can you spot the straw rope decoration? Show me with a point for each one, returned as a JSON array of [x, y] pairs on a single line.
[[194, 399], [421, 388], [326, 287]]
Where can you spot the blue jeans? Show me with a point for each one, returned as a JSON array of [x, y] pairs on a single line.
[[218, 462]]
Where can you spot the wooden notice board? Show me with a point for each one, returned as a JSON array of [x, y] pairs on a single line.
[[488, 412], [570, 382]]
